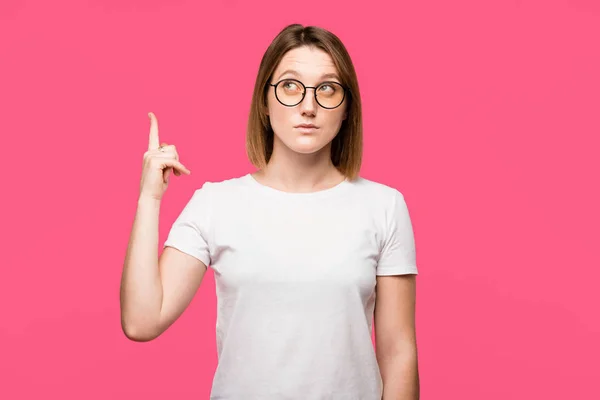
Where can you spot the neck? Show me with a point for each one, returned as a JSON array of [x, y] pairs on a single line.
[[294, 172]]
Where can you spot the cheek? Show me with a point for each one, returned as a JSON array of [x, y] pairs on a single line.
[[280, 117], [334, 120]]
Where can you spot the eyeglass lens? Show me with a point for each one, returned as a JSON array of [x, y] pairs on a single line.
[[290, 93]]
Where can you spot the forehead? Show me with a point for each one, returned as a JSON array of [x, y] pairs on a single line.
[[308, 62]]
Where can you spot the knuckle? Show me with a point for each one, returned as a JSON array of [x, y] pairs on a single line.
[[153, 161]]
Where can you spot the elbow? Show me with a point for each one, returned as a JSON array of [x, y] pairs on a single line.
[[138, 333]]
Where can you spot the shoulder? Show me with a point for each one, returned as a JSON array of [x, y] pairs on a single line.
[[377, 193], [214, 195], [390, 211]]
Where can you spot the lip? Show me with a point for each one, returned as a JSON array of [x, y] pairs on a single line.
[[306, 126]]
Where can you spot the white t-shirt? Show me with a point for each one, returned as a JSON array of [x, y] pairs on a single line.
[[295, 277]]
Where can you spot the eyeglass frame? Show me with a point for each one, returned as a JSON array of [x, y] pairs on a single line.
[[344, 88]]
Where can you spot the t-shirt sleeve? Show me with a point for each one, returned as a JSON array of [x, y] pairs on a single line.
[[189, 232], [398, 251]]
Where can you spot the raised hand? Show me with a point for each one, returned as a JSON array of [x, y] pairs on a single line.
[[159, 161]]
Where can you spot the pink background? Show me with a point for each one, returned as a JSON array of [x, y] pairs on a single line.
[[485, 114]]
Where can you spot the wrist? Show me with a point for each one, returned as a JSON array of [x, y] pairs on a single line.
[[148, 201]]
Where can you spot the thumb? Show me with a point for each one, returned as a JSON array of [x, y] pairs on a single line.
[[166, 174]]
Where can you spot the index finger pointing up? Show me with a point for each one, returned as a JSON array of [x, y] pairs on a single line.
[[153, 141]]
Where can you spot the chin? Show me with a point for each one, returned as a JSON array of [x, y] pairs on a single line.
[[305, 150], [306, 145]]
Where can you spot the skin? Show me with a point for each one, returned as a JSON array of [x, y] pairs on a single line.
[[300, 163], [395, 336]]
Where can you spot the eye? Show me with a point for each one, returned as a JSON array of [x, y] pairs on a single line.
[[328, 88], [290, 86]]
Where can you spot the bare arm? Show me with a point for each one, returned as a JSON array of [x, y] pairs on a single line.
[[395, 336], [155, 292]]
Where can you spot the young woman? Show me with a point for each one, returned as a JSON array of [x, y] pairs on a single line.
[[305, 252]]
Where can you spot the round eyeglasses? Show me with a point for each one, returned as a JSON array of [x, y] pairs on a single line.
[[291, 92]]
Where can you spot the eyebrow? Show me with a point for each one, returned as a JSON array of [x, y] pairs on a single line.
[[291, 71]]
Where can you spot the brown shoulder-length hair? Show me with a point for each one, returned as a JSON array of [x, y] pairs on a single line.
[[346, 147]]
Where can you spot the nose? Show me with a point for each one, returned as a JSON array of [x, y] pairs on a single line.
[[309, 103]]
